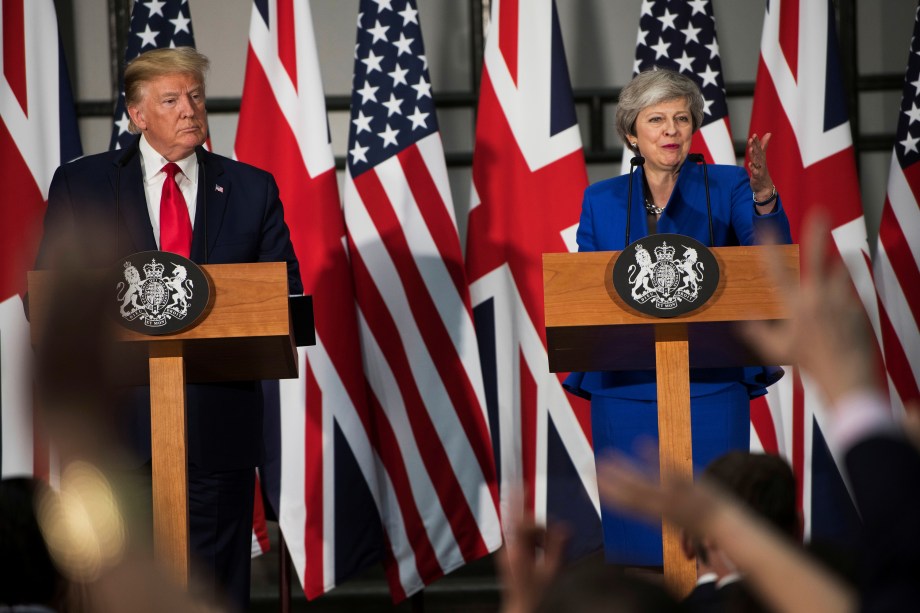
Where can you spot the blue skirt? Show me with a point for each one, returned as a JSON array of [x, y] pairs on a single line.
[[719, 422]]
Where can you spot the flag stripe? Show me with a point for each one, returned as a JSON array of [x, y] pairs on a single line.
[[436, 215], [429, 441], [508, 25], [14, 51], [441, 348], [528, 417], [762, 420], [20, 217], [287, 43], [897, 363], [424, 540], [412, 473], [789, 32], [898, 256], [904, 193], [426, 560], [799, 425], [315, 452]]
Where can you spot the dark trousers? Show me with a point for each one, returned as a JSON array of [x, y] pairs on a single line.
[[220, 531]]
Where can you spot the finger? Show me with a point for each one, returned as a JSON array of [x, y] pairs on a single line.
[[765, 141], [781, 274], [817, 229], [555, 540], [622, 485]]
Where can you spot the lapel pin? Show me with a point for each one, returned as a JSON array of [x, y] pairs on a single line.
[[219, 188]]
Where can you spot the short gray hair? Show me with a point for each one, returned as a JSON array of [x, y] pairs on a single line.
[[653, 87], [157, 63]]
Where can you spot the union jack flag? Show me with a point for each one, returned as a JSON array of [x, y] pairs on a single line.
[[154, 24], [799, 97], [38, 132], [897, 259], [320, 472], [528, 179], [681, 35], [438, 492]]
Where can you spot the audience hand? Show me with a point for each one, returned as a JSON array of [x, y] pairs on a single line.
[[783, 576], [829, 335], [528, 562]]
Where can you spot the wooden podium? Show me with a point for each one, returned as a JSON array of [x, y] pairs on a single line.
[[244, 334], [588, 324]]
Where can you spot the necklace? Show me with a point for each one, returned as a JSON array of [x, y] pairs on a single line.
[[652, 209]]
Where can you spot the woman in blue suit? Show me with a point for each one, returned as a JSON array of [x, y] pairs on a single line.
[[657, 115]]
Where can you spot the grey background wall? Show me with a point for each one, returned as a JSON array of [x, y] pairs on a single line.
[[599, 37]]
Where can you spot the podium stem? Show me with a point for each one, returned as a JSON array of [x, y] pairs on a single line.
[[675, 449], [170, 479]]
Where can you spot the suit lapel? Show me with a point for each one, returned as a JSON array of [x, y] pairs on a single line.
[[213, 192], [128, 181]]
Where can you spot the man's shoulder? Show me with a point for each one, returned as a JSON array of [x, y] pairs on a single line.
[[88, 163]]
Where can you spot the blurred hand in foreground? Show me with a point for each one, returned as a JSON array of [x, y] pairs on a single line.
[[828, 335]]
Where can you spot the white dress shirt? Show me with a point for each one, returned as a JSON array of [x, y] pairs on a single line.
[[152, 164]]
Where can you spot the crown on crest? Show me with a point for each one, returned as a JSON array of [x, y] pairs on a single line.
[[155, 271], [664, 252]]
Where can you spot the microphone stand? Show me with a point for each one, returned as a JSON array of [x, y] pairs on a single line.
[[698, 158], [636, 160]]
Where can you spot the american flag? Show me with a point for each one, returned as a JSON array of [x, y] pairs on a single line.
[[38, 132], [799, 97], [528, 179], [320, 471], [154, 24], [681, 35], [897, 258], [439, 497]]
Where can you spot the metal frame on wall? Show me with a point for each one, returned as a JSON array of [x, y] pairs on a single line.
[[596, 101]]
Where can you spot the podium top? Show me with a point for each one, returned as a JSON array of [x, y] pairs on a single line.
[[588, 324], [244, 334]]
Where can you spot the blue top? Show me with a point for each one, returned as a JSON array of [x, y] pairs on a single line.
[[734, 222]]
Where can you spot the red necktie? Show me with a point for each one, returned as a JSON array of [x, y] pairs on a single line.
[[175, 227]]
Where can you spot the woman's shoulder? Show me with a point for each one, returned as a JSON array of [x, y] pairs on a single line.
[[605, 186]]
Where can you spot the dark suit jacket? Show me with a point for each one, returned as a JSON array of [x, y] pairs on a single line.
[[100, 199], [884, 474]]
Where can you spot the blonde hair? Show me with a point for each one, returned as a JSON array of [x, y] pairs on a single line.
[[157, 63]]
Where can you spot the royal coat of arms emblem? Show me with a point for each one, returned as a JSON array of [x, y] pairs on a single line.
[[666, 274], [161, 296]]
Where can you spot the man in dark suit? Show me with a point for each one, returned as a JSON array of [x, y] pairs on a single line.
[[165, 191]]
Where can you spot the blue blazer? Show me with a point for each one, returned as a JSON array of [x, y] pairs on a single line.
[[245, 223], [734, 222]]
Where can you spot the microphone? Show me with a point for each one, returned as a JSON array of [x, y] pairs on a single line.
[[697, 158], [637, 160]]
